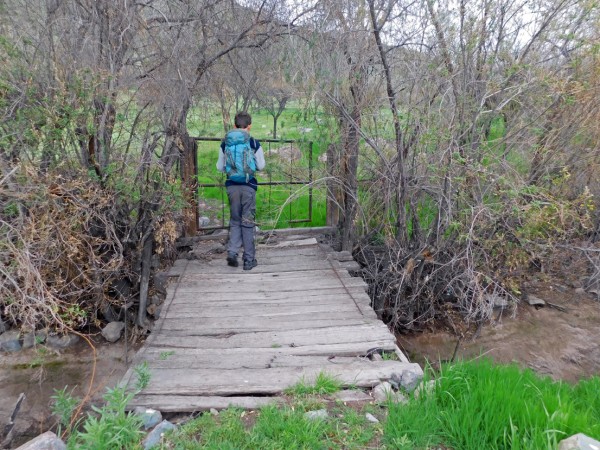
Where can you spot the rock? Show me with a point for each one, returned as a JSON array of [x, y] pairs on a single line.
[[594, 292], [214, 412], [62, 342], [29, 340], [535, 301], [376, 357], [384, 392], [351, 396], [160, 281], [150, 417], [409, 378], [112, 331], [579, 442], [154, 436], [497, 300], [320, 414], [425, 387], [580, 291], [155, 300], [371, 418], [9, 341], [323, 158], [203, 221], [154, 310], [46, 441], [3, 327], [561, 288], [304, 130], [288, 153]]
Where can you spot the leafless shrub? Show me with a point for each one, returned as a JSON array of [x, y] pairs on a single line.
[[60, 258]]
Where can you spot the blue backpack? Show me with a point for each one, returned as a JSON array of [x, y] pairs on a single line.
[[240, 162]]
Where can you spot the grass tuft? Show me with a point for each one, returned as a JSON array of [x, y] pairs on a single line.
[[324, 384]]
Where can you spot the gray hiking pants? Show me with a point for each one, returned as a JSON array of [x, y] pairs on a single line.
[[242, 203]]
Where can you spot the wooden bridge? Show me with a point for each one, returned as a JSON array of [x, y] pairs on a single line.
[[228, 337]]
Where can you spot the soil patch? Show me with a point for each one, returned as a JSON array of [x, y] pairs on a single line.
[[38, 372], [563, 345]]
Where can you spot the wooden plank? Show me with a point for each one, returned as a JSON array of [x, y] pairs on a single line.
[[330, 335], [247, 360], [332, 300], [209, 327], [260, 276], [197, 403], [292, 243], [267, 286], [270, 381], [203, 311], [357, 293]]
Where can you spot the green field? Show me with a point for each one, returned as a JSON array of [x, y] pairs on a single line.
[[278, 206]]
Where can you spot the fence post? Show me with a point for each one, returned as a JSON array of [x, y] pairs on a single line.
[[334, 192], [189, 179]]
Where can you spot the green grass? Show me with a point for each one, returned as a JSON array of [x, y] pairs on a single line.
[[323, 384], [277, 206], [479, 405], [274, 427]]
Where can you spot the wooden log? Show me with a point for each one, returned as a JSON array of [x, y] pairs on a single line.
[[221, 382], [198, 403]]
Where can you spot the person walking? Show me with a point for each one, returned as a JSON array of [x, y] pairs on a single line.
[[241, 156]]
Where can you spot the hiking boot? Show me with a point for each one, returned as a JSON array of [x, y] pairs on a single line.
[[232, 261], [249, 265]]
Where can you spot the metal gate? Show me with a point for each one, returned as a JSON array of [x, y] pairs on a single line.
[[289, 164]]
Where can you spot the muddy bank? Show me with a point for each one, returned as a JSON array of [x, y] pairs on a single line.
[[564, 345], [38, 372]]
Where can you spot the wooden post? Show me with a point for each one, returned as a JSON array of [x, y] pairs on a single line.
[[189, 179], [334, 191]]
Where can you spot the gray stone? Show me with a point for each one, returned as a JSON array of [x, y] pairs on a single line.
[[46, 441], [150, 417], [3, 327], [320, 414], [351, 396], [34, 338], [371, 418], [155, 300], [214, 412], [561, 288], [154, 310], [9, 341], [112, 331], [29, 340], [154, 436], [497, 300], [409, 378], [384, 392], [62, 342], [580, 291], [535, 301], [160, 281], [579, 442], [203, 221]]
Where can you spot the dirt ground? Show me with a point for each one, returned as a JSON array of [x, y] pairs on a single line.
[[564, 345], [38, 372]]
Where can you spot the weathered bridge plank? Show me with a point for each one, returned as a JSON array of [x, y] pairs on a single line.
[[228, 337]]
